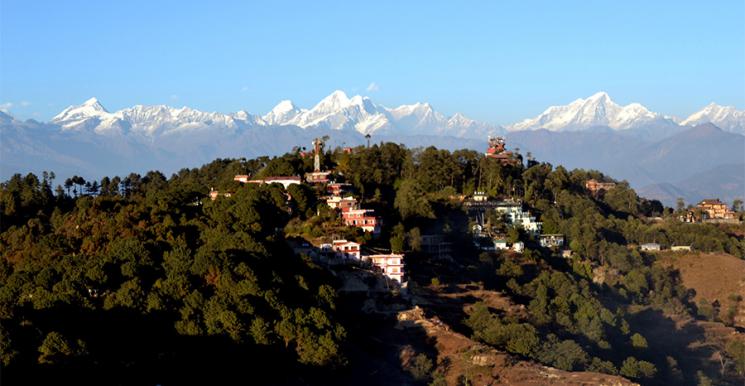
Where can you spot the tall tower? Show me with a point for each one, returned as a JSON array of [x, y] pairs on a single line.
[[317, 155]]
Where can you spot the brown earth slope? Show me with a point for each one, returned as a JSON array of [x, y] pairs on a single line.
[[714, 277], [460, 360]]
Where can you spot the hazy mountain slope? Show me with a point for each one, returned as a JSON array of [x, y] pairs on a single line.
[[726, 182], [693, 151], [702, 161]]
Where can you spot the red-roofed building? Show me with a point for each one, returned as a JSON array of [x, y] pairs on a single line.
[[497, 151]]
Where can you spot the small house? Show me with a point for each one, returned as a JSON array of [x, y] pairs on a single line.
[[551, 240], [346, 249], [500, 244], [650, 247]]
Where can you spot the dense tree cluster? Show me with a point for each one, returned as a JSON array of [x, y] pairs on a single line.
[[88, 259], [150, 251]]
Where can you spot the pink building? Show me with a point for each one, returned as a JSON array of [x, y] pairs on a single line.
[[392, 265], [338, 188], [362, 218]]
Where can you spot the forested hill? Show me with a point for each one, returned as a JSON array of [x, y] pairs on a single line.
[[145, 280]]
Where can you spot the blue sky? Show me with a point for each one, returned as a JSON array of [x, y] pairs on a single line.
[[498, 61]]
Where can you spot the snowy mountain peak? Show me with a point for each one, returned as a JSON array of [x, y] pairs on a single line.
[[284, 106], [600, 96], [92, 102], [594, 111], [335, 101], [282, 113], [726, 117], [87, 115]]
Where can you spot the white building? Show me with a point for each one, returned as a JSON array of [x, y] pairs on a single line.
[[516, 216], [518, 247], [346, 249], [391, 264], [650, 247], [500, 244], [284, 181], [552, 240]]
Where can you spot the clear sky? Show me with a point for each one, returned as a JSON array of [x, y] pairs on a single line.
[[498, 61]]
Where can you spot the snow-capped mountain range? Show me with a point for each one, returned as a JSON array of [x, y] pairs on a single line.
[[595, 111], [335, 112], [360, 114], [724, 117]]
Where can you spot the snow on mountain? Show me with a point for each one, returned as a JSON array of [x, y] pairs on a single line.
[[147, 120], [339, 112], [597, 110], [725, 117], [91, 115], [335, 112], [284, 111]]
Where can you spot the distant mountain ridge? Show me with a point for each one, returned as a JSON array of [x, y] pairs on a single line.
[[335, 112]]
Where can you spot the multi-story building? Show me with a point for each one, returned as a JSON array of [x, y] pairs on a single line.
[[342, 203], [392, 265], [516, 216], [362, 218], [715, 209], [338, 188]]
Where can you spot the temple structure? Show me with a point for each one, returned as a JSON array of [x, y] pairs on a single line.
[[497, 151]]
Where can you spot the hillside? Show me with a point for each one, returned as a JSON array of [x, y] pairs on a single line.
[[716, 278], [397, 273]]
